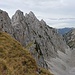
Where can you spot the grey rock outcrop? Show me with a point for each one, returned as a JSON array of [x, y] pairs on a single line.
[[70, 38], [24, 32], [5, 22], [44, 39], [45, 44]]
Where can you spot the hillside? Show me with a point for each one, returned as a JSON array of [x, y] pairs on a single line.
[[46, 45], [15, 59], [70, 38]]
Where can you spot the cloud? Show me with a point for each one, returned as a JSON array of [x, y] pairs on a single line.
[[43, 9], [61, 22]]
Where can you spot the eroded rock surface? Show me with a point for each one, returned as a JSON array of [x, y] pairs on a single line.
[[45, 44]]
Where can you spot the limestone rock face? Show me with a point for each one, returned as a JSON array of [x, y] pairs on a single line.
[[45, 44], [25, 32], [5, 22], [70, 38], [42, 41]]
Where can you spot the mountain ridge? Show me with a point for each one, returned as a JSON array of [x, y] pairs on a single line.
[[69, 37], [46, 45]]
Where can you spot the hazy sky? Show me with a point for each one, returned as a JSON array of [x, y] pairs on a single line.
[[56, 13]]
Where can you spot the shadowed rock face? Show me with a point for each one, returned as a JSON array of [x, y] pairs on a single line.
[[45, 44], [5, 22]]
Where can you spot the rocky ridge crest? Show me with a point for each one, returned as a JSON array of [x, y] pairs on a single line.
[[45, 44]]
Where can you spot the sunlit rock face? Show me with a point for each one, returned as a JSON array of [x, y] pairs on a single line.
[[45, 44], [44, 40]]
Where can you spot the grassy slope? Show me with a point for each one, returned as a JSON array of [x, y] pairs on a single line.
[[15, 60]]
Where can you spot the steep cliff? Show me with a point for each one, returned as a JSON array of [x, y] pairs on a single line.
[[45, 44], [5, 22], [70, 38], [44, 41]]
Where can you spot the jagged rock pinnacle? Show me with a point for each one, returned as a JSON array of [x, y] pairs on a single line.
[[17, 17], [45, 44], [5, 22], [31, 14], [43, 22]]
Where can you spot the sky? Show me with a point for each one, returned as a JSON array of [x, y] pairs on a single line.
[[56, 13]]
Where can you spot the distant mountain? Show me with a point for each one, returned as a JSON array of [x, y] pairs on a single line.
[[64, 30]]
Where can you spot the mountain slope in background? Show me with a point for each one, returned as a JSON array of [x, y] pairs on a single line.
[[16, 60], [64, 30], [70, 38]]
